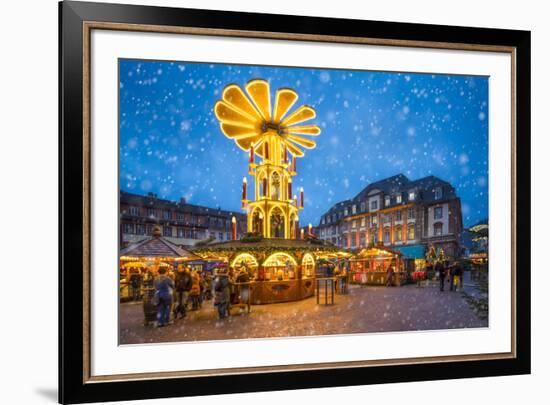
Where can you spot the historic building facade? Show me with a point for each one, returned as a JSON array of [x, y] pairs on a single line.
[[182, 223], [398, 213]]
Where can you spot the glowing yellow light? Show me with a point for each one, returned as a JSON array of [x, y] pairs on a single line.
[[249, 120]]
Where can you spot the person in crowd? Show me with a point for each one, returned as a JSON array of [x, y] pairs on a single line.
[[135, 284], [183, 283], [221, 293], [208, 287], [195, 292], [458, 274], [451, 275], [164, 287], [440, 271], [389, 276], [202, 285]]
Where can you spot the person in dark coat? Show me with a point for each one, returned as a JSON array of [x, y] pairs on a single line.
[[452, 273], [183, 282], [164, 287], [222, 294], [458, 274], [135, 285], [440, 271]]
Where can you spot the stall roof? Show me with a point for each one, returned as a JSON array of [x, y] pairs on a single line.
[[155, 246], [412, 252]]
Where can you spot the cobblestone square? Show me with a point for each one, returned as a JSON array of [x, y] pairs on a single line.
[[363, 310]]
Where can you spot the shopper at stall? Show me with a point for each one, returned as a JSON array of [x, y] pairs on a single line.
[[389, 276], [183, 283], [135, 284], [164, 287], [195, 292], [441, 273], [221, 293]]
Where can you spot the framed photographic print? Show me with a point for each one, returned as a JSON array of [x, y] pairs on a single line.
[[256, 202]]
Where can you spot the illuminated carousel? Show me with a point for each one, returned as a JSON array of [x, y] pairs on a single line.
[[279, 258]]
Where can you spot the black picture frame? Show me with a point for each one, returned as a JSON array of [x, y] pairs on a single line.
[[73, 385]]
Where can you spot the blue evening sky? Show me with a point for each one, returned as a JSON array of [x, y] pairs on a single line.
[[374, 125]]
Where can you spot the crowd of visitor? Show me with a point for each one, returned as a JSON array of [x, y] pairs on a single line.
[[186, 290]]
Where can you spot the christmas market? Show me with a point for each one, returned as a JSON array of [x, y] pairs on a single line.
[[279, 258]]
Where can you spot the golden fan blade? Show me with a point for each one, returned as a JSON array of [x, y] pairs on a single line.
[[306, 143], [284, 100], [234, 96], [313, 130], [302, 114], [258, 90], [238, 131], [293, 148], [244, 144], [226, 113]]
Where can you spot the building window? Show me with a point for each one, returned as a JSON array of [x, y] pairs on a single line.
[[386, 219], [134, 211], [220, 235], [166, 215], [363, 207], [398, 234], [363, 221], [411, 213], [438, 193], [374, 205], [140, 229], [398, 199], [151, 213], [354, 209], [228, 236], [167, 231], [346, 212], [410, 232], [387, 200], [374, 220], [412, 195], [438, 229], [438, 212], [128, 228], [179, 232], [180, 216], [386, 235], [374, 238], [398, 215], [354, 224], [362, 237]]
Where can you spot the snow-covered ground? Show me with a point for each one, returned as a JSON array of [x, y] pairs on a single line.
[[364, 309]]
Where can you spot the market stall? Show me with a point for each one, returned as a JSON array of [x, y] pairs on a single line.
[[378, 266], [280, 270]]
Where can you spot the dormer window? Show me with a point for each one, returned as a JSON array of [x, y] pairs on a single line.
[[438, 193], [387, 200], [412, 195], [354, 209], [398, 198]]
